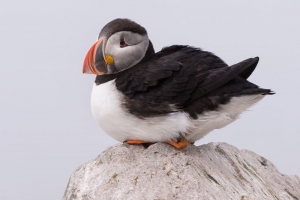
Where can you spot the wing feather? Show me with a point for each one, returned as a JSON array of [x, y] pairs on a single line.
[[178, 76]]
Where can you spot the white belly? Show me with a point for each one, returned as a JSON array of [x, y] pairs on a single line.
[[113, 118]]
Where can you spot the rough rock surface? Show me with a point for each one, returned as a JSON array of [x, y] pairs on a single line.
[[213, 171]]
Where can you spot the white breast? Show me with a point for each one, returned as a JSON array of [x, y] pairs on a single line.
[[112, 117], [116, 121]]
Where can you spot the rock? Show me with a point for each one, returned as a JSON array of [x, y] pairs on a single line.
[[213, 171]]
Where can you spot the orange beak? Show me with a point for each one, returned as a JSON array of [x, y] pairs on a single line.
[[94, 62]]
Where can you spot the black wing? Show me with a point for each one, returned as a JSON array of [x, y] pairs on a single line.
[[182, 78]]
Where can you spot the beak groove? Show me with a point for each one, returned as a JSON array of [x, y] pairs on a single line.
[[93, 58]]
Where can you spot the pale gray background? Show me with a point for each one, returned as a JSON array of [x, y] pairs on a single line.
[[46, 125]]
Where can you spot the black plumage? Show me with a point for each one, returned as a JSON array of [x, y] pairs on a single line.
[[182, 78]]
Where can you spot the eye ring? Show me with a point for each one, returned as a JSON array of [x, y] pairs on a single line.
[[123, 43]]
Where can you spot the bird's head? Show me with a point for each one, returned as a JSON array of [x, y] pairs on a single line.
[[121, 44]]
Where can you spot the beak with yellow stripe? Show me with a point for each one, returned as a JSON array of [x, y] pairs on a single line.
[[96, 61]]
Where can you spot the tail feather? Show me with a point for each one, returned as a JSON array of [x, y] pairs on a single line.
[[249, 70]]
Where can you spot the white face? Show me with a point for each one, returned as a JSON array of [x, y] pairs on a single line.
[[126, 48]]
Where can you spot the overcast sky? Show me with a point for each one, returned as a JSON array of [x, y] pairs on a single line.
[[46, 125]]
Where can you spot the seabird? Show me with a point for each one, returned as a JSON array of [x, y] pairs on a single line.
[[176, 95]]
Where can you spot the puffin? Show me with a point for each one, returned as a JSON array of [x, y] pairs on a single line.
[[175, 96]]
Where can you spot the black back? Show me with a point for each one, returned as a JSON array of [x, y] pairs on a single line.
[[182, 78]]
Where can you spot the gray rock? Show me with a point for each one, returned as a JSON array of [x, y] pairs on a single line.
[[213, 171]]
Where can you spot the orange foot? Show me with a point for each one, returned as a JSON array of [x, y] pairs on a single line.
[[136, 142], [181, 144]]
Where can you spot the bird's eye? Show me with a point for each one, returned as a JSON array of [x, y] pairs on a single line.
[[123, 43]]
